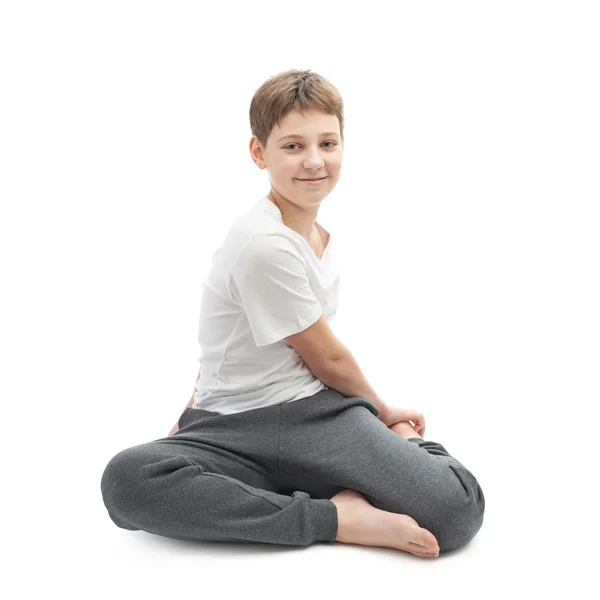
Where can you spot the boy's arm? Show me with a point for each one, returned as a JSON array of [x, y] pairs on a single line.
[[189, 405]]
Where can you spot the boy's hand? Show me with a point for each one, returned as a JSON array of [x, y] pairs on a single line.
[[395, 415]]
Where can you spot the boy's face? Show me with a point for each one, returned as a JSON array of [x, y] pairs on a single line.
[[314, 155]]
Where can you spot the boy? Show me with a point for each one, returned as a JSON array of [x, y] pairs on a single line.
[[283, 440]]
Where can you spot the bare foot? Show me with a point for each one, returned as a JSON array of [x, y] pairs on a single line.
[[359, 522]]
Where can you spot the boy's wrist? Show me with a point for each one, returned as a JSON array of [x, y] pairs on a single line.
[[344, 375]]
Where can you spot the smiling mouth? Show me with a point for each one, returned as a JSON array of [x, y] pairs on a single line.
[[315, 179]]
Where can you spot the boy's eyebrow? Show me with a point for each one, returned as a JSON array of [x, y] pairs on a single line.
[[295, 136]]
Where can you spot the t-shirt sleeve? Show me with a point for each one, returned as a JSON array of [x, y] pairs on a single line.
[[272, 286]]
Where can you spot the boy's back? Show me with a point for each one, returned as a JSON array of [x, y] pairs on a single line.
[[265, 284]]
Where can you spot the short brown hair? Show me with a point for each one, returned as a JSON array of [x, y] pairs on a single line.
[[292, 90]]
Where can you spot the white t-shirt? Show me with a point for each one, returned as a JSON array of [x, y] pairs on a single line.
[[265, 284]]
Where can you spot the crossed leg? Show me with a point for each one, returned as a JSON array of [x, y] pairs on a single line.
[[359, 522], [391, 487]]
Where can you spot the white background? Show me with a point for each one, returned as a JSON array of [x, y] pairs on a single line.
[[466, 222]]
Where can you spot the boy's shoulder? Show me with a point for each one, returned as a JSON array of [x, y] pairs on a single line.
[[256, 230]]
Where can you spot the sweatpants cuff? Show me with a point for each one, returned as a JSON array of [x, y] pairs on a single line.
[[325, 519]]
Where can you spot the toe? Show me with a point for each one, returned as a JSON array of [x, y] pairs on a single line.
[[426, 539], [429, 547], [418, 551]]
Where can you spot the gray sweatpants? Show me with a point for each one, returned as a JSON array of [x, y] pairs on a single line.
[[267, 475]]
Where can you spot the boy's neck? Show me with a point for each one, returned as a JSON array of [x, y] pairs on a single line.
[[302, 221]]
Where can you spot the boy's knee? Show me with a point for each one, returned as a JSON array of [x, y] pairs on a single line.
[[462, 520], [118, 485]]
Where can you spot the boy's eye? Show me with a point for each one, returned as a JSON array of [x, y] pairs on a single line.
[[297, 144]]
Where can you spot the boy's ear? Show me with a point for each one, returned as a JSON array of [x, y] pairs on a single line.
[[256, 152]]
